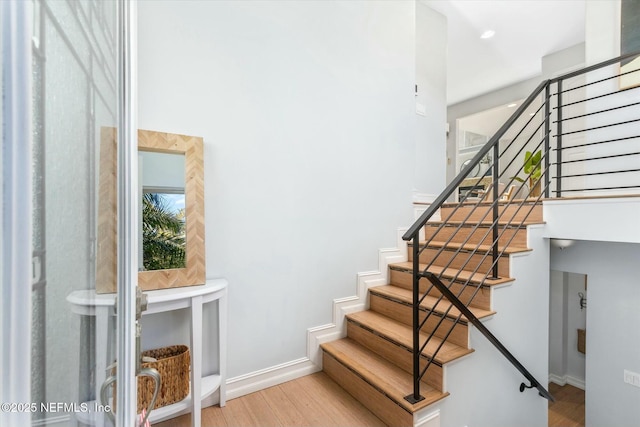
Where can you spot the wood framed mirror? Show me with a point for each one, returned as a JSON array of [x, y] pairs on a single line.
[[176, 192]]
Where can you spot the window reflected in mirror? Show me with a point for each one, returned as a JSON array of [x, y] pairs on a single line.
[[163, 215]]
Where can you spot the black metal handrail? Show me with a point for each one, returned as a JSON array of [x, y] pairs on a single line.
[[541, 136]]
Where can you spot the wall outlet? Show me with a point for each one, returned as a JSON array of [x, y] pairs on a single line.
[[632, 378]]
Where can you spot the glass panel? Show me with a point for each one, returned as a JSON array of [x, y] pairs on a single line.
[[74, 74], [38, 300]]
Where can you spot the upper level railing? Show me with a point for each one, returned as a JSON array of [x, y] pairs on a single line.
[[575, 135]]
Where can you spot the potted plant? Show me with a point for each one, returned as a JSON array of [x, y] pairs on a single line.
[[533, 169]]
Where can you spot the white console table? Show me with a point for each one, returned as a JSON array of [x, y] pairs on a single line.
[[88, 303]]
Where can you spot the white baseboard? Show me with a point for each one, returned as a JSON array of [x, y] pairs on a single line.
[[557, 379], [427, 419], [425, 198], [269, 377], [567, 379]]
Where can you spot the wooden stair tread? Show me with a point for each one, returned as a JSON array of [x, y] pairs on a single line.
[[402, 335], [381, 374], [505, 203], [452, 246], [483, 224], [428, 303], [451, 273]]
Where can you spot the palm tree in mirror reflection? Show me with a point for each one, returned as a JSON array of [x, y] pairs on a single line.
[[163, 233]]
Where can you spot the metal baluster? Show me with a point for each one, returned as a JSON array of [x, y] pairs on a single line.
[[494, 254], [559, 143], [547, 130], [415, 397]]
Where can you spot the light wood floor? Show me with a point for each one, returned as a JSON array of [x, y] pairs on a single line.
[[316, 400], [568, 409], [313, 400]]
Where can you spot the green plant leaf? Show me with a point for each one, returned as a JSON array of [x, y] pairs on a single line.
[[533, 164]]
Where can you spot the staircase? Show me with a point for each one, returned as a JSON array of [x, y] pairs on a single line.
[[575, 135], [374, 362]]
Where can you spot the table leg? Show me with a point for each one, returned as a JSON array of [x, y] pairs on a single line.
[[103, 346], [222, 347], [196, 360]]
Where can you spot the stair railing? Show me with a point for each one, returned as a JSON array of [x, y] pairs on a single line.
[[525, 163]]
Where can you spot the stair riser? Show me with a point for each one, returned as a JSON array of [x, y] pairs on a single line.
[[404, 314], [482, 298], [481, 235], [383, 407], [506, 213], [398, 355], [460, 260]]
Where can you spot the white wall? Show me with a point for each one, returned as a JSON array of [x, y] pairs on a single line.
[[161, 169], [563, 61], [613, 327], [431, 100], [557, 321], [307, 113]]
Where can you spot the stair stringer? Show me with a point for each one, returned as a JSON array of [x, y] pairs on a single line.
[[342, 306], [483, 386]]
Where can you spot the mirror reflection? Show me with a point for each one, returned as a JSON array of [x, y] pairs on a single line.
[[162, 211], [171, 173]]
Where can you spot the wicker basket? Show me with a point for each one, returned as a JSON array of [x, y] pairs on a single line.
[[173, 364]]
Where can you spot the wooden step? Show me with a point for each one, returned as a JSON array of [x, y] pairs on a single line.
[[507, 212], [401, 335], [458, 256], [438, 323], [458, 232], [401, 274], [378, 384], [441, 307], [400, 356], [505, 251], [450, 274]]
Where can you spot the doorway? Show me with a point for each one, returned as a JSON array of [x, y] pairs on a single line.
[[567, 347]]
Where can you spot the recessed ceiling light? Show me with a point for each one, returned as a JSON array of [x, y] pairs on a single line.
[[512, 105], [488, 34]]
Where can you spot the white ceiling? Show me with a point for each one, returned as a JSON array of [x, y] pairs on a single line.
[[525, 31]]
